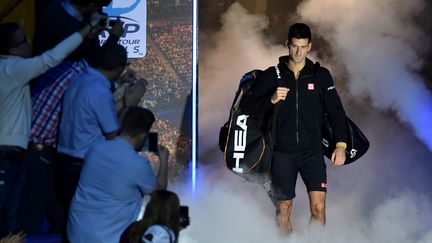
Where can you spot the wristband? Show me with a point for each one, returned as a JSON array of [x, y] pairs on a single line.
[[341, 145]]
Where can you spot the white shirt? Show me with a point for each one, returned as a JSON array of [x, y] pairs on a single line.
[[15, 101]]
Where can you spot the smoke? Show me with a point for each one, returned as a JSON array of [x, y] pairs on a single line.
[[380, 45], [385, 196], [239, 47]]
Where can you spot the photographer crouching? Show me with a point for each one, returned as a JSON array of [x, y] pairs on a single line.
[[114, 180]]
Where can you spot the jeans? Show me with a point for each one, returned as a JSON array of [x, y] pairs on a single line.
[[39, 197], [11, 183]]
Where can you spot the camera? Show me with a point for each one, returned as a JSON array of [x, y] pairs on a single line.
[[184, 219], [107, 23]]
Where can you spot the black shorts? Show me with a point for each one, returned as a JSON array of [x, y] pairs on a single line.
[[285, 167]]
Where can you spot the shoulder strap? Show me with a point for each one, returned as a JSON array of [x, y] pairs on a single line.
[[321, 86], [277, 72], [276, 109], [244, 87]]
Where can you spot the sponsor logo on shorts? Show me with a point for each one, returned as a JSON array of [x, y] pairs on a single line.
[[323, 185]]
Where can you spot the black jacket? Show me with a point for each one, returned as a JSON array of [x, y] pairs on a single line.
[[299, 118]]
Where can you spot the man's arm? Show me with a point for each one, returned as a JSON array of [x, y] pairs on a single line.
[[130, 95], [336, 115], [162, 175], [37, 65], [104, 110]]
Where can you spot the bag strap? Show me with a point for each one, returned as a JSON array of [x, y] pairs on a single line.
[[276, 109]]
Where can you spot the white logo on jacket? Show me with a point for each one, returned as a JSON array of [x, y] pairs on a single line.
[[331, 87]]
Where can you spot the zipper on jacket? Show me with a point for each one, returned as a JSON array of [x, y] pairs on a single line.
[[297, 114]]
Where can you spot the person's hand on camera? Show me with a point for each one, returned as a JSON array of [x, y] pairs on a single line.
[[95, 18], [91, 29], [128, 77], [134, 91], [117, 29]]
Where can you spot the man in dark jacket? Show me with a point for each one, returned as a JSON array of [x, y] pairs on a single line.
[[299, 91]]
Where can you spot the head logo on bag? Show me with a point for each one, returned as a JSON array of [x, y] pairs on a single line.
[[240, 142], [244, 142]]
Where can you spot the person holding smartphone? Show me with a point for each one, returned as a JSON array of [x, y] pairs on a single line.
[[113, 182]]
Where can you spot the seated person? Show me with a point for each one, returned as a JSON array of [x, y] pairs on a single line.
[[161, 221]]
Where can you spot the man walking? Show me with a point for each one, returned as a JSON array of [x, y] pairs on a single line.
[[299, 91]]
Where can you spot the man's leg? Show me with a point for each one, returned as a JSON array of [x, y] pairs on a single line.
[[283, 213], [317, 206], [11, 182], [284, 176], [313, 173], [38, 191]]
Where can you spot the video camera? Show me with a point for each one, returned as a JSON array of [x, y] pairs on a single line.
[[184, 219]]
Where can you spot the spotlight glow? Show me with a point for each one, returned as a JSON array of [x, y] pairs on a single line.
[[194, 91]]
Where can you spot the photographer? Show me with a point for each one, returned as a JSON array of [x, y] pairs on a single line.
[[16, 71], [161, 223], [41, 196], [113, 182]]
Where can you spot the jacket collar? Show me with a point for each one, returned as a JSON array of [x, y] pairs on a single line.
[[283, 66]]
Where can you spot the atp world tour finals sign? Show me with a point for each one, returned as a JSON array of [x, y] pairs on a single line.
[[134, 15]]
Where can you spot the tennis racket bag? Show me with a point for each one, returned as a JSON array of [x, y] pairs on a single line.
[[246, 145]]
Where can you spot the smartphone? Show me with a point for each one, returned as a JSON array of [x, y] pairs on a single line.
[[153, 142]]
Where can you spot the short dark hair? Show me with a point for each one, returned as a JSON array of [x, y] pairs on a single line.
[[109, 56], [7, 31], [299, 31], [137, 121]]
